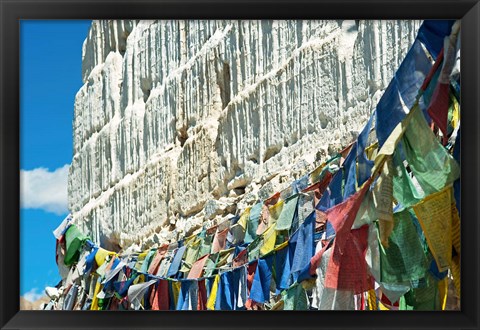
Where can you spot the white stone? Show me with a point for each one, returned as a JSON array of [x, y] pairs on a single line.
[[177, 115]]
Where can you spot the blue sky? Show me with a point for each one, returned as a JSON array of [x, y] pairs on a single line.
[[50, 76]]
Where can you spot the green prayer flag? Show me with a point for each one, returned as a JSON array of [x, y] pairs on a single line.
[[404, 259], [295, 298], [252, 223], [284, 221], [74, 240], [254, 249], [404, 190], [210, 265], [191, 255], [424, 298], [205, 245], [433, 167]]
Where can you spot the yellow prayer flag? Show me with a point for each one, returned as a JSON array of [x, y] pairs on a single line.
[[434, 213], [383, 307], [371, 151], [213, 294], [244, 218], [176, 291], [275, 211], [455, 229], [455, 112], [456, 274], [281, 246], [101, 255], [142, 255], [316, 173], [140, 279], [98, 287], [390, 144], [269, 238]]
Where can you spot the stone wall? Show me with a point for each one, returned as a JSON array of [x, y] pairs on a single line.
[[181, 122]]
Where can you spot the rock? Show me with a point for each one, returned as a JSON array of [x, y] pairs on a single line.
[[174, 115], [35, 305]]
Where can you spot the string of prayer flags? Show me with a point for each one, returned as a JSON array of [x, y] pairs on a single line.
[[386, 231], [347, 269]]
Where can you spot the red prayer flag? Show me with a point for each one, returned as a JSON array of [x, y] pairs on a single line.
[[202, 296], [152, 269], [434, 68], [272, 200], [197, 267], [219, 240], [240, 259], [318, 189], [438, 108], [251, 274], [315, 260], [342, 216], [161, 298], [347, 268]]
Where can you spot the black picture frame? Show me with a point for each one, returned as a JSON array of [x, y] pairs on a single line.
[[14, 10]]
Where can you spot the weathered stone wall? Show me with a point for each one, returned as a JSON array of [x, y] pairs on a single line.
[[179, 122]]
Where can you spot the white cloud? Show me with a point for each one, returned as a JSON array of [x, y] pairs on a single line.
[[33, 295], [41, 189]]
